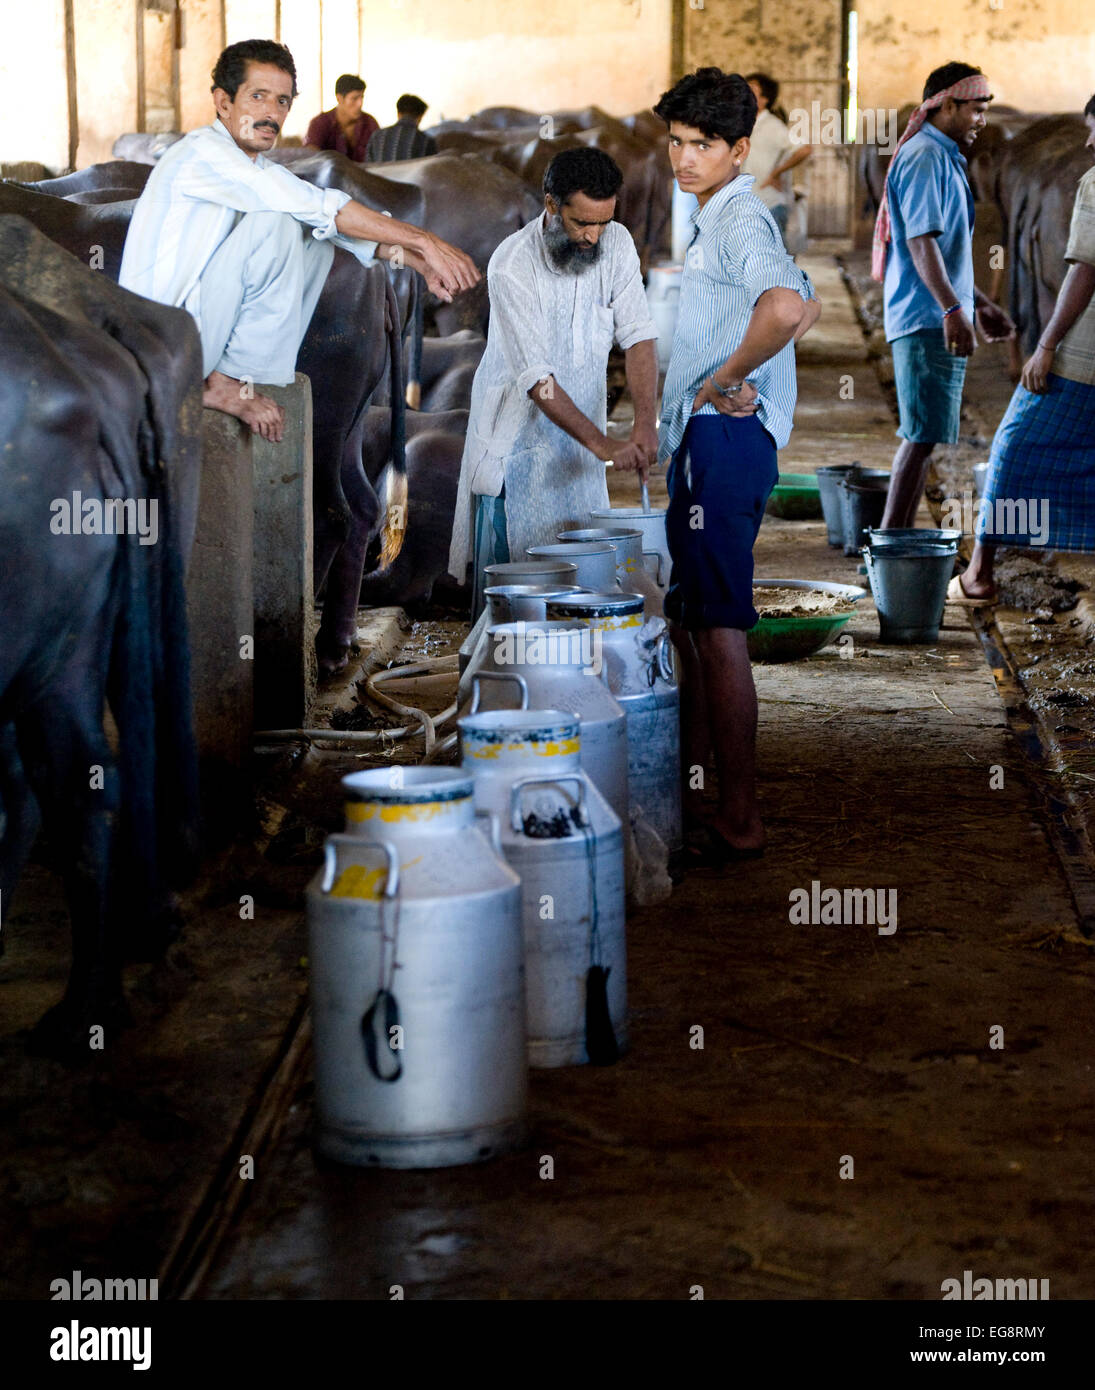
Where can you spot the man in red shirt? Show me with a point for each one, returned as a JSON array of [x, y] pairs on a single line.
[[345, 128]]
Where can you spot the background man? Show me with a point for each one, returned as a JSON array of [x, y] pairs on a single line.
[[771, 154], [923, 254], [252, 281], [403, 140], [562, 289], [1045, 446], [345, 128], [727, 406]]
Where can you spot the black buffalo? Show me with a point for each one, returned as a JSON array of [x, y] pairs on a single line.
[[99, 395]]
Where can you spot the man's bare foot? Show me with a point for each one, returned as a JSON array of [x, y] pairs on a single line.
[[262, 414], [738, 835]]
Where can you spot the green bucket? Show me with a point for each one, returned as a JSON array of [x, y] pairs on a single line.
[[795, 497]]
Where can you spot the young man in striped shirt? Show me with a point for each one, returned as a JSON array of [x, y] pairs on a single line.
[[727, 406]]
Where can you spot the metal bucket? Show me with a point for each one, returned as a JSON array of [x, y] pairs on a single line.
[[512, 603], [555, 665], [652, 525], [863, 495], [566, 843], [417, 979], [909, 584], [910, 535], [631, 572], [828, 479], [639, 669], [552, 571], [596, 561]]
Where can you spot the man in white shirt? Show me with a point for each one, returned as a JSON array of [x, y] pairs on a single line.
[[223, 232], [771, 154], [562, 289]]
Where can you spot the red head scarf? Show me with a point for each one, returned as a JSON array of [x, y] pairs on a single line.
[[974, 88]]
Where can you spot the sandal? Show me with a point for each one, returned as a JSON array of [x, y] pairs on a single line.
[[956, 594]]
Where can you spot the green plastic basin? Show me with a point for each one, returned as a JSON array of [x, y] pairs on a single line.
[[791, 639], [795, 497]]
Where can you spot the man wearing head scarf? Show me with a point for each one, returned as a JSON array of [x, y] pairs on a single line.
[[923, 254]]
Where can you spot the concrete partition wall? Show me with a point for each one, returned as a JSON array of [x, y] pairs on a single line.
[[220, 614], [285, 626]]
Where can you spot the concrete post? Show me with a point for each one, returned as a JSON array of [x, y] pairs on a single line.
[[220, 611], [285, 654]]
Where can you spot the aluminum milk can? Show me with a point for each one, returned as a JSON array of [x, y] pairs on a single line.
[[631, 573], [557, 666], [417, 978], [564, 840], [639, 668], [652, 525], [595, 561]]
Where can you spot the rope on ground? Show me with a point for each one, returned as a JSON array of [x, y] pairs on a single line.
[[425, 724]]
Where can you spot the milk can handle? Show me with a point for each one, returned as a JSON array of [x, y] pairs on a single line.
[[497, 676], [495, 827], [660, 557], [663, 656], [516, 823], [330, 861]]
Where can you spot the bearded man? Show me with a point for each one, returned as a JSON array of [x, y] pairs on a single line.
[[562, 290]]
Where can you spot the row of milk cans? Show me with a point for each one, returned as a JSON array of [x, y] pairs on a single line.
[[470, 922]]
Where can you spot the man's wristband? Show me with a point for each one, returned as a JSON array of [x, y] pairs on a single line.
[[954, 309], [1046, 347], [727, 390]]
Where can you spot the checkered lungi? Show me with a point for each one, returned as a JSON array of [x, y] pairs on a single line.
[[1040, 489]]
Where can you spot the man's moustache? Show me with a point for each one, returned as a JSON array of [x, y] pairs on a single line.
[[266, 125]]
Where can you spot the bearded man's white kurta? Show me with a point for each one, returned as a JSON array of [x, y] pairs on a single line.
[[545, 322]]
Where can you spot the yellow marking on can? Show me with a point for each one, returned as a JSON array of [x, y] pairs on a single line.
[[358, 811], [357, 881], [556, 747]]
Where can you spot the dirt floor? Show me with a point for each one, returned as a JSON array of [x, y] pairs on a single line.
[[871, 1112]]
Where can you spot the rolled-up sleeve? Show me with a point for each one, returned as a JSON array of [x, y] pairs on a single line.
[[754, 254], [517, 318], [630, 312], [918, 187], [1081, 232], [223, 178]]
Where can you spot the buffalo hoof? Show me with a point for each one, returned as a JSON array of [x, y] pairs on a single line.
[[332, 666], [81, 1028]]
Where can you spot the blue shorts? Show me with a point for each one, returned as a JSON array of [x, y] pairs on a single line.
[[712, 521], [929, 382]]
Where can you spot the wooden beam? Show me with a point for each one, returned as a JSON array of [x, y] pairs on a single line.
[[139, 4], [676, 53], [70, 83]]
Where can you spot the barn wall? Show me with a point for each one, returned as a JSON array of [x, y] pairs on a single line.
[[32, 62], [465, 54], [798, 42], [106, 74], [1039, 54], [202, 41]]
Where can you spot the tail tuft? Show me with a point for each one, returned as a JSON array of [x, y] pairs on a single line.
[[393, 501]]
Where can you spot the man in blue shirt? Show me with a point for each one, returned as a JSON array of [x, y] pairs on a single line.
[[924, 241], [727, 406]]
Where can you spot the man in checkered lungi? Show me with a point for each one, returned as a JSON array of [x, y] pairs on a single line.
[[1040, 489]]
